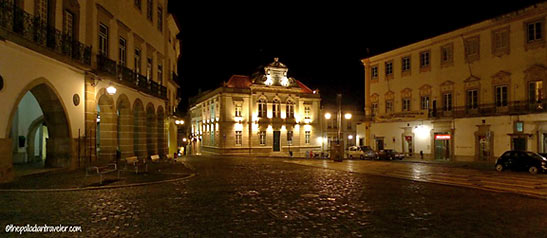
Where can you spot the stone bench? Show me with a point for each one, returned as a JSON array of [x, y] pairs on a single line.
[[102, 170], [135, 163], [155, 158]]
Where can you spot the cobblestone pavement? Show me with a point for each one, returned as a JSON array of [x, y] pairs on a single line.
[[245, 197], [507, 181]]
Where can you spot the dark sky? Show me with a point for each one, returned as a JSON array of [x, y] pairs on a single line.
[[321, 42]]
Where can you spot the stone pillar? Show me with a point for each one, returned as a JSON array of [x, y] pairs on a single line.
[[151, 134], [125, 133], [6, 162], [108, 134], [139, 133], [90, 119]]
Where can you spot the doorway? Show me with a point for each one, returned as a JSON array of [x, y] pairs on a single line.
[[379, 143], [442, 146], [408, 145], [276, 136], [518, 143]]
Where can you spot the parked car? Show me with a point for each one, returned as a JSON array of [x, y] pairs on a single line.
[[522, 160], [369, 152], [355, 152], [389, 154]]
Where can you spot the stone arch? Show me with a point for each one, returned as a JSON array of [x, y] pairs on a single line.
[[139, 129], [162, 145], [151, 130], [106, 132], [60, 146], [124, 126]]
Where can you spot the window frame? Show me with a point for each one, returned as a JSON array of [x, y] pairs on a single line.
[[502, 34], [390, 108], [238, 138], [448, 101], [122, 51], [425, 62], [501, 99], [103, 39], [406, 66], [388, 70], [262, 137], [405, 104], [472, 48], [472, 99], [424, 104], [307, 137], [449, 48]]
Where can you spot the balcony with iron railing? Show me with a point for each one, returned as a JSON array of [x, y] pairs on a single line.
[[128, 77], [32, 32], [480, 110]]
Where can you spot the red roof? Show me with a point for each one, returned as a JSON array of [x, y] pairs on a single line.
[[303, 87], [239, 81]]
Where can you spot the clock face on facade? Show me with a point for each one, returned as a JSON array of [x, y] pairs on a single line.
[[76, 99]]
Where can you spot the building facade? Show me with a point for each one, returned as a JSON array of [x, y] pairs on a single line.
[[350, 117], [469, 94], [266, 114], [58, 60]]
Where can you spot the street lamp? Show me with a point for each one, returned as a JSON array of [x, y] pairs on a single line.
[[111, 90], [327, 116], [347, 116]]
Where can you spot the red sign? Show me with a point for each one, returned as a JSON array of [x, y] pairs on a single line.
[[408, 138], [442, 137]]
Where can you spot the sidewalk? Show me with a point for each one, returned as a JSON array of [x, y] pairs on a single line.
[[77, 179]]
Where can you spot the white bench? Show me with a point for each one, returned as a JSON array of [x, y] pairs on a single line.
[[109, 168], [132, 161], [155, 158]]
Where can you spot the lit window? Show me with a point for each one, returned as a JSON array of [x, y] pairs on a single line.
[[262, 110], [276, 109], [238, 110], [238, 137], [374, 72], [307, 112], [262, 138], [290, 109], [535, 92], [307, 137], [424, 103]]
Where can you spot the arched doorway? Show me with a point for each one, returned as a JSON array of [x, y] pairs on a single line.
[[162, 147], [106, 135], [39, 129], [139, 129], [124, 127], [151, 131]]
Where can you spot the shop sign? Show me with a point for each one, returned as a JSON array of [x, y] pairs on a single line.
[[442, 137]]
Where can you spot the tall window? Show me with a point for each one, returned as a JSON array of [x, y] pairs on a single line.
[[501, 96], [389, 68], [149, 68], [424, 59], [238, 110], [150, 10], [307, 112], [262, 138], [122, 51], [41, 10], [160, 18], [68, 25], [160, 73], [138, 4], [276, 109], [424, 103], [472, 48], [374, 107], [500, 41], [405, 63], [447, 102], [137, 60], [238, 137], [389, 106], [289, 137], [535, 92], [290, 109], [535, 31], [103, 39], [307, 137], [406, 105], [374, 72], [262, 110], [447, 54], [472, 99]]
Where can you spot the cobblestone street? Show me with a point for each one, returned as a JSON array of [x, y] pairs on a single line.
[[245, 197]]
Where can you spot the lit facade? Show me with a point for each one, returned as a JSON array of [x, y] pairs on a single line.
[[348, 130], [59, 58], [470, 94], [266, 114]]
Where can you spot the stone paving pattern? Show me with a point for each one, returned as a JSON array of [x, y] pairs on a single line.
[[243, 197]]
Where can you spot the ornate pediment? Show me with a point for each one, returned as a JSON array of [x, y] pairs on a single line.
[[374, 97], [536, 72], [389, 95], [406, 93], [425, 90], [447, 86], [472, 82], [472, 78], [501, 78]]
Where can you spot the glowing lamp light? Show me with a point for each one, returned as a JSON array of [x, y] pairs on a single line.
[[179, 122], [319, 140], [183, 139], [284, 81], [307, 120], [347, 116], [111, 90], [350, 137], [328, 116], [269, 81]]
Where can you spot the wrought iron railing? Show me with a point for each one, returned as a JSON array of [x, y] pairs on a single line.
[[35, 30], [106, 65]]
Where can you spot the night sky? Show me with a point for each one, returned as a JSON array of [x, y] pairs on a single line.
[[321, 42]]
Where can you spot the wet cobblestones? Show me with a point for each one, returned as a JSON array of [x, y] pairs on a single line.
[[233, 197]]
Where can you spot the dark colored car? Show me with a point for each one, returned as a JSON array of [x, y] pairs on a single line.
[[369, 153], [389, 154], [522, 160]]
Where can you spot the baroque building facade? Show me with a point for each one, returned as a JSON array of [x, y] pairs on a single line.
[[61, 61], [469, 94], [268, 113]]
